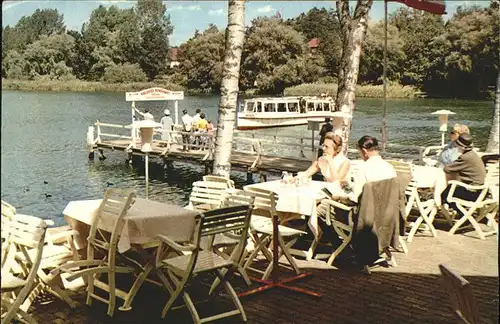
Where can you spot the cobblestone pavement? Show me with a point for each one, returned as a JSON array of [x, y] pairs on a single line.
[[409, 293]]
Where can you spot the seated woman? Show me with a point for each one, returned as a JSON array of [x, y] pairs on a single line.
[[451, 152], [333, 164]]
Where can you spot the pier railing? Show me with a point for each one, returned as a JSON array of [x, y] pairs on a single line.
[[298, 147]]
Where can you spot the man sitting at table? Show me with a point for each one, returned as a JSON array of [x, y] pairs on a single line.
[[468, 168]]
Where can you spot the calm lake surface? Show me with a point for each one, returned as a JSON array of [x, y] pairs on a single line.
[[44, 140]]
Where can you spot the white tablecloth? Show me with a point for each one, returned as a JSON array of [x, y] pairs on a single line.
[[301, 200], [144, 220]]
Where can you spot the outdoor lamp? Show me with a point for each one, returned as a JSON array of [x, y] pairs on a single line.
[[146, 129], [443, 122]]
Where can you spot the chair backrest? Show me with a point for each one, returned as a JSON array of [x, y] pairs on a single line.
[[214, 178], [403, 170], [25, 233], [207, 193], [8, 211], [113, 208], [220, 221], [265, 201], [462, 298], [236, 197]]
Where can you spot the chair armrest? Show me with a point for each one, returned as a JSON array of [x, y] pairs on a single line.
[[430, 148], [65, 234], [338, 205], [49, 222], [172, 244]]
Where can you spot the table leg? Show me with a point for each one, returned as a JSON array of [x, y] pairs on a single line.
[[275, 282]]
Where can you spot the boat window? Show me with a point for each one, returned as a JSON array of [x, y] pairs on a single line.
[[326, 106], [281, 107], [250, 106], [310, 106], [269, 107], [258, 107], [319, 106], [292, 107]]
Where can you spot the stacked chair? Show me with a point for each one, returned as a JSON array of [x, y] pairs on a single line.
[[22, 234]]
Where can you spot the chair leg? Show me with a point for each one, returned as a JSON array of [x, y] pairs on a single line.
[[467, 214], [192, 309], [90, 288], [285, 247], [25, 317], [232, 294], [414, 229], [112, 293], [61, 294], [135, 286], [341, 248], [178, 290], [403, 245]]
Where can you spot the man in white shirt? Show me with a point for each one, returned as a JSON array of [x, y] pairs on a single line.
[[374, 168], [146, 115], [187, 121], [196, 118]]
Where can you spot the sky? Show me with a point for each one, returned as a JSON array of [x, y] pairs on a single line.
[[187, 16]]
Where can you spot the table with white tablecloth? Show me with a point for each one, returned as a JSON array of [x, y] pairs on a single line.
[[301, 199], [143, 221]]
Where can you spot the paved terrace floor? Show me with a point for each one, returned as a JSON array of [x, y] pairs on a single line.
[[410, 293]]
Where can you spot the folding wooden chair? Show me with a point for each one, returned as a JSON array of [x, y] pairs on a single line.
[[182, 270], [462, 299], [483, 207], [426, 207], [206, 195], [114, 206], [262, 232], [215, 178], [24, 233]]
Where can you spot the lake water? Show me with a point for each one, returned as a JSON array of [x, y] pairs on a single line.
[[44, 156]]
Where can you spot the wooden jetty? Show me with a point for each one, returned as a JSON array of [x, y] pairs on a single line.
[[250, 154]]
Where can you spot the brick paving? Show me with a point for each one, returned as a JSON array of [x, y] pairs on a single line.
[[409, 293]]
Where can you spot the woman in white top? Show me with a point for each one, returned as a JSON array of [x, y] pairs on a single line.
[[333, 165]]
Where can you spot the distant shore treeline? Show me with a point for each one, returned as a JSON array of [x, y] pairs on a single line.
[[127, 49]]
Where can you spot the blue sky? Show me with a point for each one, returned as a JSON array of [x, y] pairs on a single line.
[[186, 16]]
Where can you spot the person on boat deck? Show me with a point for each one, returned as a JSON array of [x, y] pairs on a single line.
[[187, 122], [146, 115], [202, 126], [451, 152], [468, 168], [326, 128], [333, 164], [196, 118], [210, 128], [168, 125]]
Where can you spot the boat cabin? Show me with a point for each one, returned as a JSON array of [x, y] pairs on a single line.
[[287, 105]]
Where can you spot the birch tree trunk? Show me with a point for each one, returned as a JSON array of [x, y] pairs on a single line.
[[493, 145], [235, 36], [353, 30]]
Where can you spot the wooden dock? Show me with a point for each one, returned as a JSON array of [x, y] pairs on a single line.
[[250, 154]]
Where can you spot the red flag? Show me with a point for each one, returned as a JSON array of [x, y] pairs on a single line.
[[433, 6]]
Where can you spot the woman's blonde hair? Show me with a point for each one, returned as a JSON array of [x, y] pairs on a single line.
[[336, 139], [461, 129]]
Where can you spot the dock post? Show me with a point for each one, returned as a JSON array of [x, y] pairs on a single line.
[[90, 142], [129, 158], [249, 177], [101, 155]]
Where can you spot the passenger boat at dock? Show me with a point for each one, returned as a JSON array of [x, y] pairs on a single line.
[[270, 112]]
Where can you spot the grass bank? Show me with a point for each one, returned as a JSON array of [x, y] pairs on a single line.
[[82, 86], [367, 91]]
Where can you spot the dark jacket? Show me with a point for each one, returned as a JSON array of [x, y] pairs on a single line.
[[379, 219], [327, 127]]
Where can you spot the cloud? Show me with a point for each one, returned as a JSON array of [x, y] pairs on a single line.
[[265, 9], [217, 12], [184, 8]]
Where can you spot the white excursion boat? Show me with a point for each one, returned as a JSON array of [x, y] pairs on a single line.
[[283, 111]]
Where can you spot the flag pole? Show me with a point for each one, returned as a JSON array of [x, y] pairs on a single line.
[[384, 76]]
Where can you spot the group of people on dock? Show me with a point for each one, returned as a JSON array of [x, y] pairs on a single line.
[[197, 126]]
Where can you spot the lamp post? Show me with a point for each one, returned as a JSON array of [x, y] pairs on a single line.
[[146, 128], [443, 122]]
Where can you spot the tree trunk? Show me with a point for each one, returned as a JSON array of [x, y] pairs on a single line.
[[235, 36], [353, 29], [493, 145]]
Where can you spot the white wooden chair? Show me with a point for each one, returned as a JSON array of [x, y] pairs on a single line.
[[206, 195], [262, 232], [483, 207], [24, 233], [462, 299], [192, 261], [215, 178], [53, 255], [114, 206], [426, 207]]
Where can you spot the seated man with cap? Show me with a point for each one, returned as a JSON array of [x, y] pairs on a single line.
[[167, 125], [467, 168]]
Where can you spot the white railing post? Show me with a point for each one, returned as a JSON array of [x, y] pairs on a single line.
[[98, 132]]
